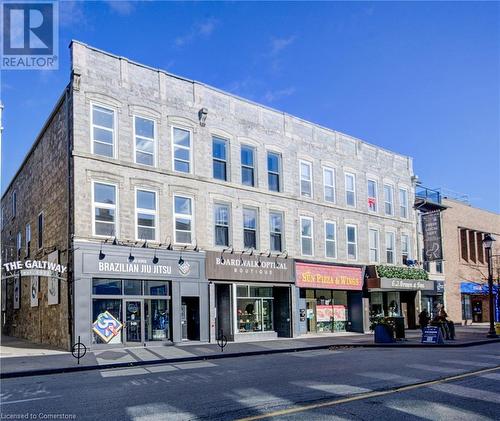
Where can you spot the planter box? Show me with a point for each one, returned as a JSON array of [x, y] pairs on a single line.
[[383, 335]]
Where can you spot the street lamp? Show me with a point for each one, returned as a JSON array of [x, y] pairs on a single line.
[[487, 243]]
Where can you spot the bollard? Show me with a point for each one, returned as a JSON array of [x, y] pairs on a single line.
[[221, 340], [79, 350]]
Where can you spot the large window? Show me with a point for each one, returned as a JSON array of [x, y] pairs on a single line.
[[183, 216], [405, 248], [219, 153], [144, 141], [403, 203], [250, 228], [104, 209], [182, 150], [350, 189], [146, 211], [330, 239], [329, 184], [221, 224], [306, 236], [40, 229], [254, 308], [389, 247], [389, 199], [276, 231], [306, 188], [103, 131], [372, 196], [247, 165], [352, 242], [274, 171], [373, 245]]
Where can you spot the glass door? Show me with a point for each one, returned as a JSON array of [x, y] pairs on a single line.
[[156, 320], [133, 322]]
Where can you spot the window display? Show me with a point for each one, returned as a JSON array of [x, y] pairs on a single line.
[[254, 309]]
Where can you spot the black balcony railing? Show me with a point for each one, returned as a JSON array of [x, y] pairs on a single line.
[[429, 195]]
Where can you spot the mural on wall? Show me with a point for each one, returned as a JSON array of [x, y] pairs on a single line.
[[53, 282], [35, 284], [17, 292]]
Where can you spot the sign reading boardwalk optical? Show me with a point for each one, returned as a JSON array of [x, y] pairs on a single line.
[[238, 267], [310, 275], [431, 227], [106, 326]]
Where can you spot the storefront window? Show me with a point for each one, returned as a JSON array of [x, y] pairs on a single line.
[[393, 304], [376, 304], [255, 313], [156, 288], [114, 307], [106, 287], [157, 322], [331, 311], [132, 287]]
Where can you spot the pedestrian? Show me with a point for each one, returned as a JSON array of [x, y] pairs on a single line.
[[443, 320], [423, 319]]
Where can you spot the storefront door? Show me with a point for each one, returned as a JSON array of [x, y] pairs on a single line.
[[134, 323], [311, 315]]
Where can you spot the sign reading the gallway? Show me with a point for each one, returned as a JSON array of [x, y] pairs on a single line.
[[431, 227]]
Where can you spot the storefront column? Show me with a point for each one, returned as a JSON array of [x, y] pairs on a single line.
[[212, 311]]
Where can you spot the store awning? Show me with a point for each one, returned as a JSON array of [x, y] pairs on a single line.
[[476, 288]]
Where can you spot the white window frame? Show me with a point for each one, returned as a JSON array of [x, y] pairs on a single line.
[[372, 197], [393, 249], [190, 149], [38, 245], [228, 206], [154, 140], [226, 161], [253, 167], [334, 241], [405, 205], [146, 211], [104, 206], [377, 245], [282, 234], [392, 199], [279, 173], [28, 238], [408, 252], [350, 174], [355, 242], [257, 225], [115, 128], [308, 218], [184, 216], [19, 243], [310, 181], [332, 186]]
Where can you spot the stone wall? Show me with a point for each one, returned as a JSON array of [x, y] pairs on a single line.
[[41, 185]]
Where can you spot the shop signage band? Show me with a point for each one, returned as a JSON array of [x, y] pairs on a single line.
[[309, 275], [241, 267], [35, 268], [409, 284]]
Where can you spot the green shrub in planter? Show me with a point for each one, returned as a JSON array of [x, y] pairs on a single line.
[[399, 272]]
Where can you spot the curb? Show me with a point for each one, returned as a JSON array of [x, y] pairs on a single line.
[[61, 370]]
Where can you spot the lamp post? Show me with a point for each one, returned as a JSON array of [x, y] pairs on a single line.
[[488, 242]]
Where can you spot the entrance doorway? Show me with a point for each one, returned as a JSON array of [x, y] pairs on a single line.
[[133, 321], [477, 311], [190, 318]]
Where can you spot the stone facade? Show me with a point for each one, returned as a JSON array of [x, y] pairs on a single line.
[[132, 89], [41, 185], [459, 216]]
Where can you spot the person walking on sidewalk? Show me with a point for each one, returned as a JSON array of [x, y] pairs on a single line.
[[423, 319]]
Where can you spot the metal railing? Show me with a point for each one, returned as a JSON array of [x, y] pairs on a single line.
[[428, 194]]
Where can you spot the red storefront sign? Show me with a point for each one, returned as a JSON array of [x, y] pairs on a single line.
[[310, 275]]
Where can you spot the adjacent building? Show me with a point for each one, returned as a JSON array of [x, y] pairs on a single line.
[[464, 227], [176, 211]]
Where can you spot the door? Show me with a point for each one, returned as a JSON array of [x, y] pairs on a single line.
[[311, 315], [477, 311], [282, 319], [190, 318], [224, 311], [133, 322]]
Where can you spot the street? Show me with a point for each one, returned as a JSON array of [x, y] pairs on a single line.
[[347, 383]]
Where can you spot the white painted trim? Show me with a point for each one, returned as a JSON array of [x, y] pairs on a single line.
[[310, 165], [146, 211], [312, 235], [353, 175], [347, 241], [377, 246], [104, 205], [327, 168], [334, 223], [115, 127], [154, 140], [192, 218], [191, 148]]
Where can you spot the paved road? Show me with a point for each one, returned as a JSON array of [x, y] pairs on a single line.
[[236, 388]]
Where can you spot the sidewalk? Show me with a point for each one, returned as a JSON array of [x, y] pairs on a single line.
[[21, 358]]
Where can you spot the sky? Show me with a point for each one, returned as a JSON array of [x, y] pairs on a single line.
[[418, 78]]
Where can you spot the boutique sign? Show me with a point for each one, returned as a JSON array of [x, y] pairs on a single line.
[[309, 275], [241, 267]]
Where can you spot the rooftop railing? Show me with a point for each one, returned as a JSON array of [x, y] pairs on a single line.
[[428, 194]]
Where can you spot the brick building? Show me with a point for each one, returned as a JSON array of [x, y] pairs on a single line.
[[181, 210]]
